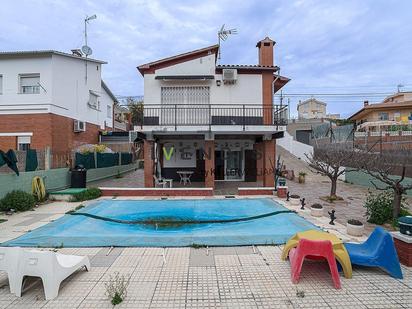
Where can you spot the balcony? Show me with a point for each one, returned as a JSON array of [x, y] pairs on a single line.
[[228, 115]]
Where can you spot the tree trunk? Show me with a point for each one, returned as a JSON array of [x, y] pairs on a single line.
[[333, 187], [396, 204]]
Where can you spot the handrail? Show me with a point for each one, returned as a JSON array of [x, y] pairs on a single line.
[[213, 114]]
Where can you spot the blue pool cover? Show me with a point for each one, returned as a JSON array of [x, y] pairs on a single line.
[[82, 231]]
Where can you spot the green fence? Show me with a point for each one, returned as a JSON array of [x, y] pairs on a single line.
[[56, 179], [100, 160], [363, 179]]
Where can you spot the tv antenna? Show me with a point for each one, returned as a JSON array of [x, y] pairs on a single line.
[[85, 48], [223, 34], [400, 86]]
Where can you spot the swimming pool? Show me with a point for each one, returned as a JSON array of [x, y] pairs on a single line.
[[160, 224]]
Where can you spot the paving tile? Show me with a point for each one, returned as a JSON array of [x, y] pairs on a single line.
[[227, 260], [201, 257], [170, 290], [377, 300], [111, 272], [202, 283], [146, 274], [94, 274], [154, 261], [309, 301], [252, 260], [33, 218], [110, 251], [103, 260], [126, 261], [270, 303], [203, 303], [133, 251], [238, 303], [168, 304], [224, 250]]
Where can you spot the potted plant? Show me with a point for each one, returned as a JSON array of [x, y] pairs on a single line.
[[354, 227], [316, 210], [301, 178], [294, 199]]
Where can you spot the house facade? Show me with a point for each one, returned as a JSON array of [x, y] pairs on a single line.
[[395, 110], [217, 122], [311, 109], [52, 99]]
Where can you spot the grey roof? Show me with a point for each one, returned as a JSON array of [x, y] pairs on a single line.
[[24, 53]]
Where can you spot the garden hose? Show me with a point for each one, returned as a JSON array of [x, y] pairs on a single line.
[[179, 222], [38, 189]]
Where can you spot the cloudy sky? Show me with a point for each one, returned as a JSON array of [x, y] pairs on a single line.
[[352, 49]]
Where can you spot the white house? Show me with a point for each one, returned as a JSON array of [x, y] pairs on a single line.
[[210, 120], [51, 98]]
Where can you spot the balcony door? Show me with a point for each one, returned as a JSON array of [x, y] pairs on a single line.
[[187, 105]]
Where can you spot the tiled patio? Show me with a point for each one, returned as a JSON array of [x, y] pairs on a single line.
[[229, 277], [242, 277]]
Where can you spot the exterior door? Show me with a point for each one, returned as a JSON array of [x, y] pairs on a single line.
[[250, 166], [234, 165]]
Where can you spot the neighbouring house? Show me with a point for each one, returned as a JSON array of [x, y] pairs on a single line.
[[216, 122], [395, 110], [52, 99], [332, 116], [311, 109], [121, 118]]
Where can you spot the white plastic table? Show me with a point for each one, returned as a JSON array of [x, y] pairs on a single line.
[[185, 176]]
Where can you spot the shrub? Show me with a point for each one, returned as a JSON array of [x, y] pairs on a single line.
[[379, 208], [18, 200], [88, 194]]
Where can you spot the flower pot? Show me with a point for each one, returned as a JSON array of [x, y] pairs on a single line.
[[295, 201], [316, 212], [354, 230]]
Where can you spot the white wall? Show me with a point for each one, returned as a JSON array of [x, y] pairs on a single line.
[[66, 92], [298, 149], [11, 68], [247, 89]]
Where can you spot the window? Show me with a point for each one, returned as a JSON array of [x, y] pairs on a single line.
[[383, 116], [93, 100], [185, 95], [109, 111], [1, 84], [397, 116], [29, 83], [23, 142]]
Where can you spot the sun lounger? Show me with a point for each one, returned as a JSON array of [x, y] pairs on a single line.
[[9, 258], [51, 267]]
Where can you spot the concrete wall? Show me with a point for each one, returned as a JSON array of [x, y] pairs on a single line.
[[55, 179], [363, 179]]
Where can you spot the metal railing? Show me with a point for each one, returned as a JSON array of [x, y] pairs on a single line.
[[214, 114]]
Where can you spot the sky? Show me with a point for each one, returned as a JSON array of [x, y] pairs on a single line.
[[354, 50]]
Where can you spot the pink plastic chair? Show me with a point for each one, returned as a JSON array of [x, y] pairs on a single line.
[[315, 249]]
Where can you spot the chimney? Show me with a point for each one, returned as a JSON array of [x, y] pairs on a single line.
[[265, 47], [77, 52], [365, 103]]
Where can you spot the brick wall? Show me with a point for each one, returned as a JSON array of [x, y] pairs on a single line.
[[48, 130]]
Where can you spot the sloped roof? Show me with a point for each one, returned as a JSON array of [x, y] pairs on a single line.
[[109, 92], [34, 53], [380, 106], [248, 66], [311, 100], [165, 62]]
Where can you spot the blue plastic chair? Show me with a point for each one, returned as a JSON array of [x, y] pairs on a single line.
[[377, 251]]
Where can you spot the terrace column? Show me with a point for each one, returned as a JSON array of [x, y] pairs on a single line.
[[148, 149], [209, 163], [269, 162]]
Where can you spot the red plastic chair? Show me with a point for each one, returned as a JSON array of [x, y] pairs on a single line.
[[315, 249]]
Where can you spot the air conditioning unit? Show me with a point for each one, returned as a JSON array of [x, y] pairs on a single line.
[[79, 126], [229, 76]]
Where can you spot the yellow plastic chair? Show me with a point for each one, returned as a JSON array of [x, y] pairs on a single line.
[[339, 249]]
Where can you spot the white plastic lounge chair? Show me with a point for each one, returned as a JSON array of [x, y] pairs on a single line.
[[9, 258], [163, 182], [51, 267]]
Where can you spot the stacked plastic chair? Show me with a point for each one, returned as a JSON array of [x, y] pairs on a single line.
[[314, 249]]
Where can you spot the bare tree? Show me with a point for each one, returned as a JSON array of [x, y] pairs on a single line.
[[330, 160], [390, 167]]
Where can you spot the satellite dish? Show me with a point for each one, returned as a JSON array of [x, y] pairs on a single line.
[[87, 50]]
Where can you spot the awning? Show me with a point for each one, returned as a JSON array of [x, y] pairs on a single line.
[[184, 77]]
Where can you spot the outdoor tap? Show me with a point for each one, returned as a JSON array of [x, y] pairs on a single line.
[[332, 217]]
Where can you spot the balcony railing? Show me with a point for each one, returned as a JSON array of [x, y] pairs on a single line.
[[214, 114]]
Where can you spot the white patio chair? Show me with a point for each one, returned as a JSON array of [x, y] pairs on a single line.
[[9, 258], [163, 182], [51, 267]]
